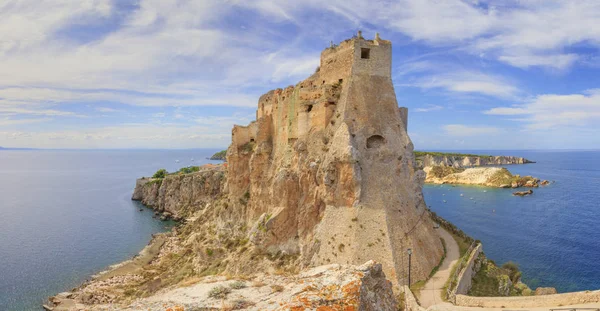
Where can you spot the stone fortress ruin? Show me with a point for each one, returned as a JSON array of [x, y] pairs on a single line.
[[327, 169]]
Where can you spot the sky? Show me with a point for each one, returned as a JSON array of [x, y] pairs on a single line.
[[179, 74]]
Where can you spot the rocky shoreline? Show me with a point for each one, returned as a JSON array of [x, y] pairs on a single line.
[[481, 176]]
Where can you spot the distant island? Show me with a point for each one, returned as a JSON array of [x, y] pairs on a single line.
[[457, 160], [4, 148], [221, 155]]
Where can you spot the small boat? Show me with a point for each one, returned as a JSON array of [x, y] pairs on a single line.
[[443, 194], [471, 198], [192, 160], [176, 161], [462, 195], [484, 190], [444, 201]]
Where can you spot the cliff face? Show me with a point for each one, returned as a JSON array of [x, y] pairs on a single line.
[[468, 161], [328, 168], [183, 194]]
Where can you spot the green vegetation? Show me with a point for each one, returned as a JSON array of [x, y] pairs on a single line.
[[443, 171], [219, 292], [238, 285], [492, 281], [221, 155], [248, 147], [447, 154], [504, 177], [160, 173], [189, 169], [157, 181]]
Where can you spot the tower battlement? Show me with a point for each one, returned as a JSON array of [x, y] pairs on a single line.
[[356, 56]]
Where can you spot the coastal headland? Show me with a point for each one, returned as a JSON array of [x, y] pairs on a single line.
[[319, 206]]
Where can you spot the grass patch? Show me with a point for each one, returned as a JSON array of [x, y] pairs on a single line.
[[417, 287], [189, 169], [440, 171]]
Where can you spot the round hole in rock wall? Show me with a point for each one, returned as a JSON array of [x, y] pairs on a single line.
[[375, 141]]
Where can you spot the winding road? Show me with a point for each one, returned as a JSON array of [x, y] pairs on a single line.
[[431, 293]]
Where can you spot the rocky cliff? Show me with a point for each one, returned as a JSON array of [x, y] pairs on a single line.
[[428, 160], [180, 195]]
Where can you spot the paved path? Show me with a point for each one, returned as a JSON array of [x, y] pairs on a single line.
[[431, 294]]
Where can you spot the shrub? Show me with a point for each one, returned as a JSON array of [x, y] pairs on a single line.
[[219, 292], [238, 285], [160, 173], [189, 169]]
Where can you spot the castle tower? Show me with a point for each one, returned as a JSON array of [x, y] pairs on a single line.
[[331, 173]]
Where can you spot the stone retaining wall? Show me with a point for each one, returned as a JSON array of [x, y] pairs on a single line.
[[466, 272], [565, 299], [466, 275], [411, 303]]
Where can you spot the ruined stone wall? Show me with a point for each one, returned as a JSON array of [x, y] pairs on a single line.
[[330, 175], [466, 275]]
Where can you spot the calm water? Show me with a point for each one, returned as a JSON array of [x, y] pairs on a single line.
[[554, 235], [65, 215]]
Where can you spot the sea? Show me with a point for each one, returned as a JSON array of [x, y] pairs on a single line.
[[67, 214], [553, 234]]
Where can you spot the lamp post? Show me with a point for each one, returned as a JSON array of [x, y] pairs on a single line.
[[409, 251]]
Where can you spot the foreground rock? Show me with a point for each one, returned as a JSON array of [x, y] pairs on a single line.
[[481, 176], [331, 287]]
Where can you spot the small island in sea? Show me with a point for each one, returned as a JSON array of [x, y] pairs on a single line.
[[221, 155]]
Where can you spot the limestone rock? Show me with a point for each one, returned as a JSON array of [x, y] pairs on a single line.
[[523, 193], [545, 291]]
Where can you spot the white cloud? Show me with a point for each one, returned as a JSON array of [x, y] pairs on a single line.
[[468, 130], [429, 108], [208, 132], [558, 61], [467, 82], [553, 110]]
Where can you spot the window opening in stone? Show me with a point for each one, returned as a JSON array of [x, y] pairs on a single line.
[[375, 141], [365, 53]]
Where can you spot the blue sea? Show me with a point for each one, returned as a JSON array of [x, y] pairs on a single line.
[[554, 234], [65, 215]]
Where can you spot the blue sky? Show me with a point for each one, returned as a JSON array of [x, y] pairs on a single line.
[[179, 74]]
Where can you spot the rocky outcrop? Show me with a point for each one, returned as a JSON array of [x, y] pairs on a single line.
[[180, 195], [481, 176], [331, 287], [523, 193], [428, 160]]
